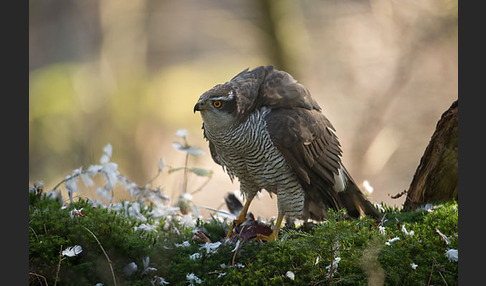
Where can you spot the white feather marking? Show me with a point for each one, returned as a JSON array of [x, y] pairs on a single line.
[[340, 181], [225, 98]]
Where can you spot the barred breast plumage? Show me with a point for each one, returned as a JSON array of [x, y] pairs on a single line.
[[247, 152]]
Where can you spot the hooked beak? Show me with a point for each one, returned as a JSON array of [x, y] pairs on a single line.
[[199, 106]]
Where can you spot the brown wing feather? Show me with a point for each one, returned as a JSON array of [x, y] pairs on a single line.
[[306, 139], [311, 151]]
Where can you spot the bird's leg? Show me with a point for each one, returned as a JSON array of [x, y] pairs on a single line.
[[241, 217], [274, 235]]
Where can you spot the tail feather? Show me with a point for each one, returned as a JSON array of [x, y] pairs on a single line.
[[356, 203]]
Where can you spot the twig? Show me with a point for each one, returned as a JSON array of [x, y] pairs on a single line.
[[38, 275], [106, 255], [331, 270], [66, 179], [398, 195], [36, 237], [202, 186], [236, 251], [436, 264], [440, 271], [155, 177], [58, 266], [443, 279], [184, 182], [431, 271]]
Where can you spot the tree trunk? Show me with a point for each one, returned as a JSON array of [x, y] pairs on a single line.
[[436, 177]]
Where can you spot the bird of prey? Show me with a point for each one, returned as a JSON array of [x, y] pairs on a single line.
[[264, 128]]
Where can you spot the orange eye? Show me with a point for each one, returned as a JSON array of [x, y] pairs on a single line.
[[217, 103]]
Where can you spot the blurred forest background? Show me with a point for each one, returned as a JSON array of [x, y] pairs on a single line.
[[129, 73]]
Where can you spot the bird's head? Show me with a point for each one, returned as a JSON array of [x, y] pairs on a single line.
[[218, 107]]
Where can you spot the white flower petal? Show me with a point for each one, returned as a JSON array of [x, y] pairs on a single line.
[[185, 243], [181, 133], [188, 221], [107, 151], [392, 240], [452, 254], [104, 194], [75, 212], [145, 227], [161, 164], [406, 232], [161, 281], [71, 185], [130, 268], [290, 275], [134, 211], [194, 151], [211, 247], [146, 261], [382, 229], [192, 278], [72, 251], [87, 179], [177, 146], [110, 172], [189, 149], [334, 267], [93, 169], [187, 196], [236, 246]]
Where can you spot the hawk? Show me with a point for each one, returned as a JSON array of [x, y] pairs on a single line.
[[264, 128]]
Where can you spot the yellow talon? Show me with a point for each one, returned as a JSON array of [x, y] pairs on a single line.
[[267, 238], [274, 235], [236, 223], [240, 219]]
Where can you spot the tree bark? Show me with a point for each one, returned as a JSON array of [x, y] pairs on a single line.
[[436, 177]]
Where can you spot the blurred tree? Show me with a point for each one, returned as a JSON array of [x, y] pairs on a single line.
[[283, 23], [128, 73], [123, 51], [413, 38]]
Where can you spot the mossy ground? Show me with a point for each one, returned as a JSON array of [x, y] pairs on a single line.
[[364, 255]]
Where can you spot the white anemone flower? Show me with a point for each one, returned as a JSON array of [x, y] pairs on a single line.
[[192, 278]]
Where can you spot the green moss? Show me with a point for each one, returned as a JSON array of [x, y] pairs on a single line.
[[53, 229], [363, 254]]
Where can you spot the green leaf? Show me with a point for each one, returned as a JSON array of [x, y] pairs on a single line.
[[201, 172], [172, 170]]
